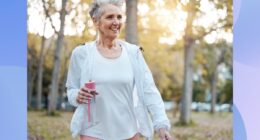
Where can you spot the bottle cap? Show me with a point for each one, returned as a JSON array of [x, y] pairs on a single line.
[[90, 85]]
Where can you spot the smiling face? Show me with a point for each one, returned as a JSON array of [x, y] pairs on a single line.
[[110, 22]]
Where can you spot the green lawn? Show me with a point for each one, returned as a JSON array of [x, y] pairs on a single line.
[[205, 127]]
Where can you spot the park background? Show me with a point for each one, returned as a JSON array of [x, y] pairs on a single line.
[[187, 45]]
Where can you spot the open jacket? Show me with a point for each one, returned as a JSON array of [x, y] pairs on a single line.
[[149, 107]]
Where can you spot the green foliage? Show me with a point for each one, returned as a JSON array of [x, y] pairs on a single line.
[[226, 95], [208, 59], [198, 92]]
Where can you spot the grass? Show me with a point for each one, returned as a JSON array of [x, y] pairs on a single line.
[[43, 127], [205, 126]]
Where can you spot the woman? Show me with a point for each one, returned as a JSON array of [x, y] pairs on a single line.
[[119, 69]]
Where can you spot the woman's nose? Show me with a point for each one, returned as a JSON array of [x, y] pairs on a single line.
[[116, 21]]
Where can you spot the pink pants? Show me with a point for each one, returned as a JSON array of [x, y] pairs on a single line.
[[82, 137]]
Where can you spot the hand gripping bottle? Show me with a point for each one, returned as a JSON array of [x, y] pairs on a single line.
[[91, 104]]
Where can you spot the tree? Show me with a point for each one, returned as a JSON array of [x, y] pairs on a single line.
[[40, 69], [214, 78], [218, 54], [210, 58], [66, 53], [55, 72], [42, 54], [195, 33], [32, 66], [188, 68], [131, 22]]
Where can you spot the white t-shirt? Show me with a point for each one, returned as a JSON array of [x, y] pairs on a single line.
[[114, 105]]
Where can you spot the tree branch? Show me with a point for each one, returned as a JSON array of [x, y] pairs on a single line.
[[211, 30], [48, 16]]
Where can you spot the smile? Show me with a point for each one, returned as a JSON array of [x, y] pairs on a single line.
[[115, 30]]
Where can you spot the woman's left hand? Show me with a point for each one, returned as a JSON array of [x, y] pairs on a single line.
[[164, 135]]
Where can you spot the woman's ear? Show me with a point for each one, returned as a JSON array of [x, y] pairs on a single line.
[[95, 21]]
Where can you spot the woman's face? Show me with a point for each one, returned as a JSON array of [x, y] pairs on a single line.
[[110, 22]]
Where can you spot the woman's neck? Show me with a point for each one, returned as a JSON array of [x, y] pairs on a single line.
[[106, 43]]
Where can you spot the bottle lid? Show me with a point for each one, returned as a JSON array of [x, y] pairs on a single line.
[[90, 85]]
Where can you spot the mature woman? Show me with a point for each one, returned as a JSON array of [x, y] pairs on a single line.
[[124, 83]]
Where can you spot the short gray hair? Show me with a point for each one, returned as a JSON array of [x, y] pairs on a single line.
[[96, 4]]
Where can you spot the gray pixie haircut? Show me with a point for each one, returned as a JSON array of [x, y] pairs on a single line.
[[95, 10]]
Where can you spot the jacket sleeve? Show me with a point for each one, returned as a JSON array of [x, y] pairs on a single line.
[[152, 97], [73, 78]]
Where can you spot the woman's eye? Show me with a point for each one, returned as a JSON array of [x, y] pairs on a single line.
[[109, 17], [119, 17]]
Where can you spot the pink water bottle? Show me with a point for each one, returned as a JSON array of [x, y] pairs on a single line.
[[91, 104]]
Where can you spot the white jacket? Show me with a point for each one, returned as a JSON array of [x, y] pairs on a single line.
[[149, 98]]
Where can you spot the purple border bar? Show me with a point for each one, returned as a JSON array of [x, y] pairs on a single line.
[[13, 70]]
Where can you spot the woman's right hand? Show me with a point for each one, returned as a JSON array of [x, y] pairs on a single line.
[[84, 95]]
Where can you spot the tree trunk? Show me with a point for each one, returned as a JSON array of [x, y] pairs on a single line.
[[39, 79], [63, 89], [31, 77], [40, 72], [214, 80], [29, 91], [131, 22], [188, 68], [213, 90], [31, 74], [55, 73], [187, 84], [45, 43]]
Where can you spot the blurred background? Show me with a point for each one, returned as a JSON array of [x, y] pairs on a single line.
[[187, 45]]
